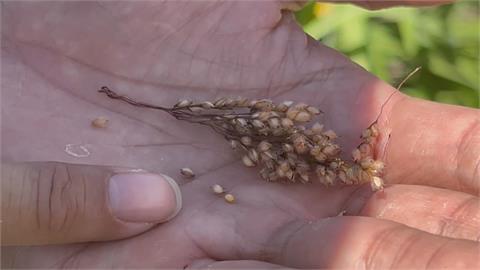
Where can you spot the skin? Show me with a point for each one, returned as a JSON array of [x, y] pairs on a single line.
[[56, 55]]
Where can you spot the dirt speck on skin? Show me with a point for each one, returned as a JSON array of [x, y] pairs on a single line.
[[77, 150]]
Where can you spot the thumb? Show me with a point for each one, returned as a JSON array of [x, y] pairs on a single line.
[[51, 203]]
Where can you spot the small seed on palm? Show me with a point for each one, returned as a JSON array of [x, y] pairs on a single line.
[[100, 122], [187, 173], [217, 189], [229, 198]]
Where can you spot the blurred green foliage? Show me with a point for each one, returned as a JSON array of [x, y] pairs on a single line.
[[391, 43]]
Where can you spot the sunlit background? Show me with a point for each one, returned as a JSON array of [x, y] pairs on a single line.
[[443, 41]]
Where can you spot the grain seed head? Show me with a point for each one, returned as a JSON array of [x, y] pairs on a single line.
[[283, 140]]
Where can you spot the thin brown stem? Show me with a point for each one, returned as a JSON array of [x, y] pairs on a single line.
[[113, 95]]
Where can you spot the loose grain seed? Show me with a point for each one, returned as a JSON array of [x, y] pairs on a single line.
[[187, 172], [100, 122], [217, 189], [229, 198]]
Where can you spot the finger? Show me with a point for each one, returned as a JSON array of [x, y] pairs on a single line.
[[434, 210], [243, 264], [428, 143], [48, 203], [379, 4], [366, 243]]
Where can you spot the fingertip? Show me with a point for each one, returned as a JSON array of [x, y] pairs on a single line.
[[144, 197], [178, 196]]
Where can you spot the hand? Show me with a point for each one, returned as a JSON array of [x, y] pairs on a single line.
[[55, 203], [58, 54]]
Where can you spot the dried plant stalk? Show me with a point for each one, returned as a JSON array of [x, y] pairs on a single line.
[[280, 139]]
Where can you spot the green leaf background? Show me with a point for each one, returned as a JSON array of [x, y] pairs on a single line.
[[391, 43]]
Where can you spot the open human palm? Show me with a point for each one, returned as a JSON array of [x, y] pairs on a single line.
[[57, 55]]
